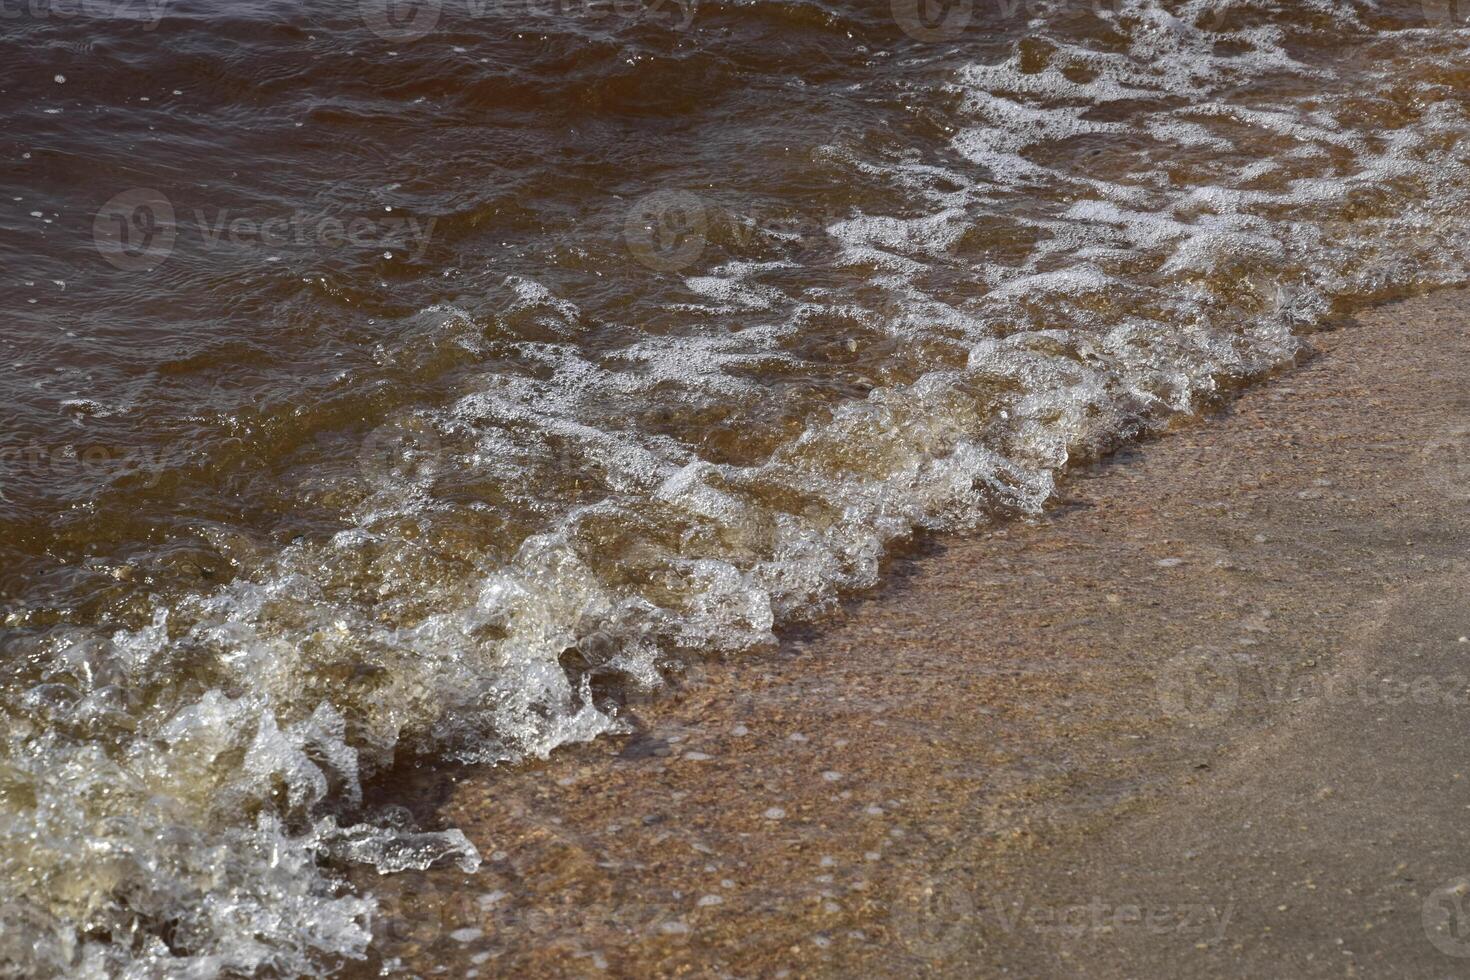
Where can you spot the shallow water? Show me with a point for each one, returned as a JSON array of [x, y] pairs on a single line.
[[391, 385]]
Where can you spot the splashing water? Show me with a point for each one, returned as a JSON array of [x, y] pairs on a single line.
[[710, 316]]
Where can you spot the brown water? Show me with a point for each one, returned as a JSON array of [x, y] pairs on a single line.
[[400, 383]]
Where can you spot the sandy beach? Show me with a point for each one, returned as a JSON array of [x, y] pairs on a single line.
[[1201, 719], [797, 488]]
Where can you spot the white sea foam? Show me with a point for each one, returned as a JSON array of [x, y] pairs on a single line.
[[200, 771]]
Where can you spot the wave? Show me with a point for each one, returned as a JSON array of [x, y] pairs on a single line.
[[1128, 211]]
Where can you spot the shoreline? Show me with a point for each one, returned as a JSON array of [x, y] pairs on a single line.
[[1040, 749]]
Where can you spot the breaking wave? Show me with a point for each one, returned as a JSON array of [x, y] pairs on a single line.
[[625, 454]]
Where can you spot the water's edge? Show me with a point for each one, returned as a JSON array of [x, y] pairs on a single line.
[[602, 854]]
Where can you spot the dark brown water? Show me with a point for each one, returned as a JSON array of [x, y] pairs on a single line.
[[406, 382]]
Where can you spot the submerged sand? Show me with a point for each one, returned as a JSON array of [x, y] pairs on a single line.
[[1203, 718]]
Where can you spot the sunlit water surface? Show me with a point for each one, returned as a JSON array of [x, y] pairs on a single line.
[[385, 390]]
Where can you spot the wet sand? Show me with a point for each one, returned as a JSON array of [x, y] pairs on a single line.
[[1202, 718]]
